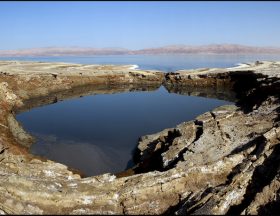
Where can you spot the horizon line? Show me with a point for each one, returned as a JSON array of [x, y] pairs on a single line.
[[130, 49]]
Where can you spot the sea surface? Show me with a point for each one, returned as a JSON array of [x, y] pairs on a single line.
[[98, 133], [164, 62]]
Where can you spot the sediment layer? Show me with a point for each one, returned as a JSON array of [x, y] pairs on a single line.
[[224, 161]]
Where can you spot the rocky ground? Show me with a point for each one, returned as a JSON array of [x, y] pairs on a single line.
[[225, 161]]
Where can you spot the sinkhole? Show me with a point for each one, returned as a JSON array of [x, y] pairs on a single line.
[[98, 133]]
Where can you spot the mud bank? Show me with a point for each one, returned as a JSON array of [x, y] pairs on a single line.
[[224, 161]]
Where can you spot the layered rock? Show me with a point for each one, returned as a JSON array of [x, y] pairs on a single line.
[[224, 161]]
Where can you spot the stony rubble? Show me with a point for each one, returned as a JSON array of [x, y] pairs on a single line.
[[224, 161]]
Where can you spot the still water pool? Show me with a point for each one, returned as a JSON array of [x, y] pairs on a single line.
[[97, 134]]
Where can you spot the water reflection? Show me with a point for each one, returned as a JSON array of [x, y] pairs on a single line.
[[221, 93], [98, 133]]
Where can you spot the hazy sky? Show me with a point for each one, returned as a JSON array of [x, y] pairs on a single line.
[[137, 25]]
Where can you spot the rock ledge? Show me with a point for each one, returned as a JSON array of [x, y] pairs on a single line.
[[224, 161]]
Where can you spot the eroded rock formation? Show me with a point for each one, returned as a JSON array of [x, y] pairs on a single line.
[[224, 161]]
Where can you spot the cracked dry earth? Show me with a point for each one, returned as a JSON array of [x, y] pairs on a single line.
[[225, 161]]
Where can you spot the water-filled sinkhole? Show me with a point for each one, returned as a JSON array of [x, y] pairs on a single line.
[[98, 133]]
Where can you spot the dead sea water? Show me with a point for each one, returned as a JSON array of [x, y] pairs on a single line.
[[164, 62]]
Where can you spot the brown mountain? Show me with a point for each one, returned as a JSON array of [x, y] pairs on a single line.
[[62, 51], [174, 49], [211, 49]]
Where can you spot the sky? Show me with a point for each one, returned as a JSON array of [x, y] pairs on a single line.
[[137, 25]]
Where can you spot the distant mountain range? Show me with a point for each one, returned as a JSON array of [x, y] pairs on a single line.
[[174, 49]]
